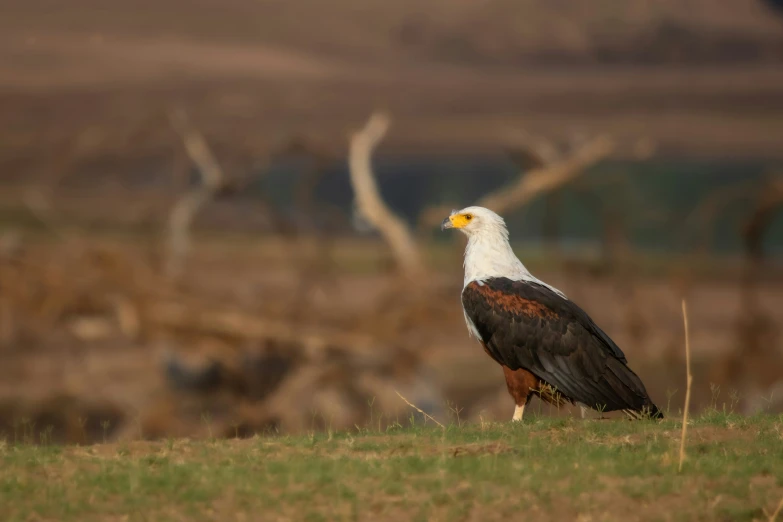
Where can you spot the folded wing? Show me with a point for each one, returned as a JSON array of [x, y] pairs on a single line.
[[525, 324]]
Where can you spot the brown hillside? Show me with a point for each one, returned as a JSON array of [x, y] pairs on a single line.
[[453, 73]]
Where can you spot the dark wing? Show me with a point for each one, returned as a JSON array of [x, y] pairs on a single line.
[[527, 325]]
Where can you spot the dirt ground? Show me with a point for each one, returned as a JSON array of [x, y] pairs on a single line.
[[82, 363]]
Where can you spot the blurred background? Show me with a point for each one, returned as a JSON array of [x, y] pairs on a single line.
[[193, 241]]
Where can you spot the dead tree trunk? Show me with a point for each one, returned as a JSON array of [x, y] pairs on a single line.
[[185, 209], [370, 203]]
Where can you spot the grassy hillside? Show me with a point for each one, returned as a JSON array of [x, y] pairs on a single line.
[[544, 469]]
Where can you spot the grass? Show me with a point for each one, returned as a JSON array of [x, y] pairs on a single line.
[[543, 469]]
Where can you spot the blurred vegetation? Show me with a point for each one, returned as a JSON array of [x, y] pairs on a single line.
[[110, 111]]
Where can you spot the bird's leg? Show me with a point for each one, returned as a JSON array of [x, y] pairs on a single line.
[[520, 384], [519, 410]]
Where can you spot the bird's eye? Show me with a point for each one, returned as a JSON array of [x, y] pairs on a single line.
[[468, 216]]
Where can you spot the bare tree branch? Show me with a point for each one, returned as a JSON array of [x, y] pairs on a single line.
[[526, 149], [696, 226], [185, 209], [369, 201], [548, 178], [769, 204], [232, 323], [533, 183]]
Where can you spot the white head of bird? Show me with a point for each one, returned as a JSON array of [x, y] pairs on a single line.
[[488, 253]]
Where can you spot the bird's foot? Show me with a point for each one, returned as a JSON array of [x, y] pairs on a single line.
[[518, 412]]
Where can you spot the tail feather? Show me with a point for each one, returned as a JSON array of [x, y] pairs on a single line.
[[632, 389], [654, 412]]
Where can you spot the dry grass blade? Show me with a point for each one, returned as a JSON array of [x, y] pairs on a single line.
[[687, 386], [774, 516], [419, 410]]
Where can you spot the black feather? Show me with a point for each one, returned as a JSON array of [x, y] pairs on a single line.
[[528, 325]]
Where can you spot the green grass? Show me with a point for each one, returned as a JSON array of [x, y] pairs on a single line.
[[543, 469]]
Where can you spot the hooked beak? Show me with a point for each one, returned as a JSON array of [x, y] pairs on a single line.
[[446, 224]]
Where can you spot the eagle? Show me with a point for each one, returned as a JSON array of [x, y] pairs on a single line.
[[547, 345]]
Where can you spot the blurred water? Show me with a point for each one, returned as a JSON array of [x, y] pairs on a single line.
[[651, 199]]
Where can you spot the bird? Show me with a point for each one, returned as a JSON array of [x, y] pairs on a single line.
[[547, 345]]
